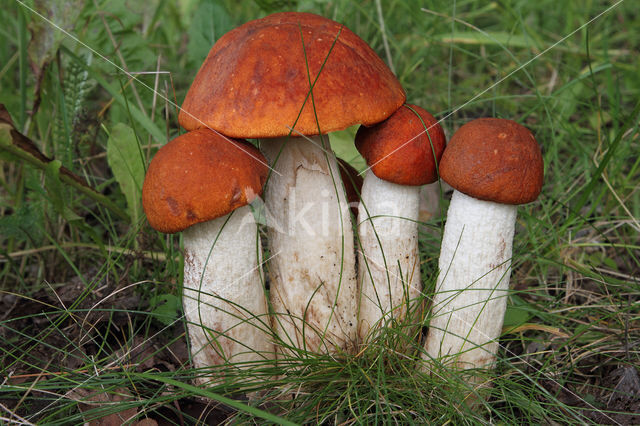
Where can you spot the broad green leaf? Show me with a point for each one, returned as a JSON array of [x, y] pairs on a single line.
[[342, 143], [518, 312], [127, 164], [210, 21], [516, 315], [165, 308]]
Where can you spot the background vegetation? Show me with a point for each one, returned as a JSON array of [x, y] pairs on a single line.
[[90, 316]]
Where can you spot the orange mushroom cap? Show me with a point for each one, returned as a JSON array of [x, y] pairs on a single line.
[[400, 150], [494, 159], [200, 176], [255, 80]]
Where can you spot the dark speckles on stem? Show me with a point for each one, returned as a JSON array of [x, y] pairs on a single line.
[[501, 248], [310, 314], [188, 259], [499, 257]]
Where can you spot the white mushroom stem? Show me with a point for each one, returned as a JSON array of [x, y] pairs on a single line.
[[312, 264], [388, 260], [223, 296], [472, 288]]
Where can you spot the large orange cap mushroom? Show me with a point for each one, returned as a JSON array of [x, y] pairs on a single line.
[[402, 148], [200, 176], [494, 159], [255, 80]]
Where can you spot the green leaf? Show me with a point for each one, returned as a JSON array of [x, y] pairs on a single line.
[[342, 144], [165, 308], [518, 312], [515, 316], [128, 166], [210, 21]]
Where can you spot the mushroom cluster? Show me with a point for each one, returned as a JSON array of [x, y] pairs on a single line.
[[288, 80]]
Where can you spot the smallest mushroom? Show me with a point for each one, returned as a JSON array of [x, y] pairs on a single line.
[[403, 152], [201, 183], [493, 165]]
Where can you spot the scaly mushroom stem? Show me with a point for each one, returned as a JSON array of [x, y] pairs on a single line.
[[224, 300], [388, 260], [471, 292], [312, 265]]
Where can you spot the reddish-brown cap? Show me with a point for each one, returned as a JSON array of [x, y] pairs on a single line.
[[200, 176], [401, 149], [494, 159], [254, 81]]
